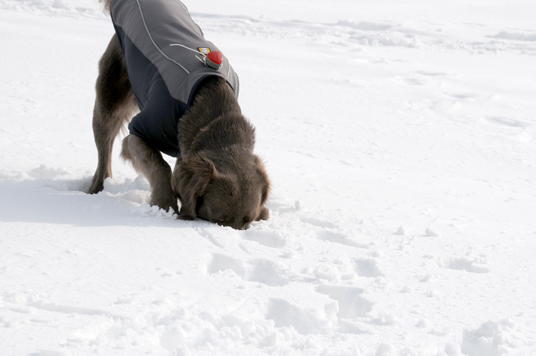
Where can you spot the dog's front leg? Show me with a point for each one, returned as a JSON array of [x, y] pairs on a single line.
[[148, 161]]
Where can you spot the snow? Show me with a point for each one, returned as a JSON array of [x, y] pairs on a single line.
[[401, 142]]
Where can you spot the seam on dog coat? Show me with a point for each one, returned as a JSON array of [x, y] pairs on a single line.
[[163, 73]]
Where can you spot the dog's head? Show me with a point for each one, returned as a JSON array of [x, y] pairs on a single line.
[[227, 194]]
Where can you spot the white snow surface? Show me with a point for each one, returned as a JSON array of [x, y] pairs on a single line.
[[400, 138]]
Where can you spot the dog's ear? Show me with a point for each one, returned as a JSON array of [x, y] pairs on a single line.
[[190, 179], [264, 179]]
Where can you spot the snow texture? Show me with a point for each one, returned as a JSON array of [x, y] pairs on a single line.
[[400, 138]]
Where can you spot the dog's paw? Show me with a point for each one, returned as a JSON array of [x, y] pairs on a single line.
[[96, 188], [186, 217], [264, 214], [165, 202]]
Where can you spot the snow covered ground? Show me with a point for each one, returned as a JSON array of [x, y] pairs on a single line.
[[401, 142]]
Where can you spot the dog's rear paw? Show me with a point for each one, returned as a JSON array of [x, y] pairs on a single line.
[[96, 188]]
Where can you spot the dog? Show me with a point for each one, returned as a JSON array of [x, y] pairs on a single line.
[[179, 95]]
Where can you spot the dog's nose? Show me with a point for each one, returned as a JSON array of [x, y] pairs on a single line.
[[240, 226]]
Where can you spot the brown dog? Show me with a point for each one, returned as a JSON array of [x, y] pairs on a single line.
[[216, 177]]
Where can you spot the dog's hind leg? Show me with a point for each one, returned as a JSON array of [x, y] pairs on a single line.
[[115, 104], [149, 162]]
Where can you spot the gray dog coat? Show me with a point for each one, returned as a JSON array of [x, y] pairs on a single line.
[[165, 53]]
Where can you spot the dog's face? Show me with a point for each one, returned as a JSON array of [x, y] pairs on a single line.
[[233, 195]]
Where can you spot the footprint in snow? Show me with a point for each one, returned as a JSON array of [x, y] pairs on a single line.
[[463, 264], [351, 303], [209, 236], [221, 263], [268, 272], [505, 122], [23, 302], [431, 73], [319, 223], [368, 268], [492, 338], [266, 238], [262, 271], [47, 353], [339, 238], [304, 321]]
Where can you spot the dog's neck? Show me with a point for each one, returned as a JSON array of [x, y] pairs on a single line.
[[214, 99]]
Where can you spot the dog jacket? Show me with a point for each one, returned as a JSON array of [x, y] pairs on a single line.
[[165, 51]]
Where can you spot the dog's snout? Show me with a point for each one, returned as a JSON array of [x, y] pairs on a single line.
[[240, 226], [234, 226]]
